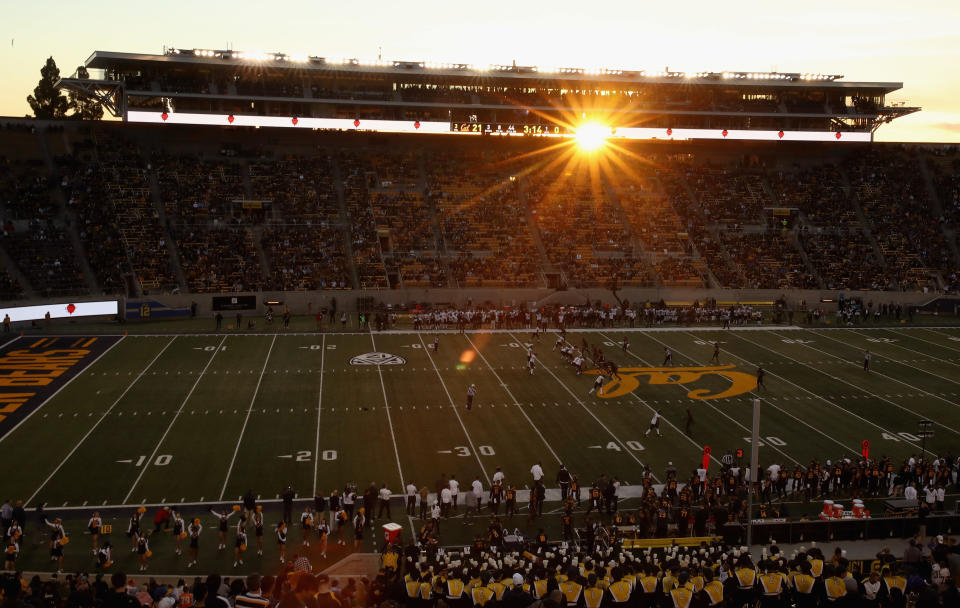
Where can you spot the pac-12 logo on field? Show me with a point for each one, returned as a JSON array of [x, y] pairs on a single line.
[[377, 359]]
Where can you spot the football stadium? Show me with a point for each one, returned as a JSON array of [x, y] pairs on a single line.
[[327, 331]]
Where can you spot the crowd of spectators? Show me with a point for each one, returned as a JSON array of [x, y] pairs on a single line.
[[890, 188], [194, 190], [219, 259], [462, 218]]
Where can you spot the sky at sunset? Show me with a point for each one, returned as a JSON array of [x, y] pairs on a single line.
[[915, 43]]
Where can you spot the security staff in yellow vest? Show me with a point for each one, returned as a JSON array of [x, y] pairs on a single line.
[[426, 591], [592, 594], [682, 594], [412, 587], [572, 588], [804, 587], [539, 588], [771, 586], [712, 593], [834, 585]]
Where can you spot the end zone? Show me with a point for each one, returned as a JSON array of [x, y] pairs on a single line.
[[35, 368]]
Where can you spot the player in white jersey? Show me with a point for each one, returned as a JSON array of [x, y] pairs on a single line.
[[558, 343], [531, 363], [597, 385], [578, 363], [654, 424], [667, 357]]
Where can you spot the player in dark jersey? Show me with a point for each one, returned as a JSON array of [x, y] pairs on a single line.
[[760, 375], [716, 353]]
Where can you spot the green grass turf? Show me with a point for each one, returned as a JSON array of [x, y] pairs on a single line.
[[200, 418]]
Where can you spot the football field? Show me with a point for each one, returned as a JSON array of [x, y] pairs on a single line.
[[197, 419]]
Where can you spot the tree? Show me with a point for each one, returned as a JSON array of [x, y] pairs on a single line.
[[85, 108], [47, 102]]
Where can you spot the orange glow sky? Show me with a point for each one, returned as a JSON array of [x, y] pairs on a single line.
[[914, 43]]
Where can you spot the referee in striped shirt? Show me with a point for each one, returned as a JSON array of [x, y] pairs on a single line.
[[727, 460], [471, 393]]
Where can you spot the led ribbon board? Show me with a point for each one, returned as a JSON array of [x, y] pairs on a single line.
[[434, 127], [66, 310]]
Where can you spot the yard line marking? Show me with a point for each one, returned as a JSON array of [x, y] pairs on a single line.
[[386, 404], [247, 419], [800, 420], [855, 415], [176, 415], [316, 447], [916, 388], [454, 407], [946, 346], [586, 409], [914, 360], [65, 385], [515, 402], [722, 413]]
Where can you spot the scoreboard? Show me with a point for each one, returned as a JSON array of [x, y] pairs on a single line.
[[497, 128]]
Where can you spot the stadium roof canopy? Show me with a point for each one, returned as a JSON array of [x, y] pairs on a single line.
[[237, 86]]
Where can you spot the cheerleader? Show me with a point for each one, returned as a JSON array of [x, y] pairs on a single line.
[[94, 526], [223, 517], [358, 523], [306, 525], [143, 550], [341, 520], [133, 528], [240, 544], [323, 530], [14, 530], [105, 556], [258, 528], [56, 552], [178, 531], [12, 552], [282, 540], [193, 531], [56, 534]]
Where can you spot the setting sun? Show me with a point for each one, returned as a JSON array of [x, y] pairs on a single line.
[[591, 136]]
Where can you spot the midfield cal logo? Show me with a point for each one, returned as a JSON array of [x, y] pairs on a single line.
[[377, 359], [740, 382]]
